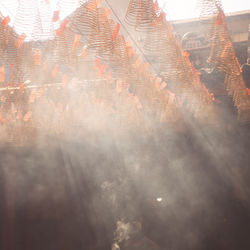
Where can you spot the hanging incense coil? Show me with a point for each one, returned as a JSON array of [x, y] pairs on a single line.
[[84, 19], [37, 32], [119, 59], [222, 51], [22, 68], [27, 13], [222, 56], [140, 14], [3, 37], [7, 47], [60, 49], [100, 37], [157, 38], [209, 9]]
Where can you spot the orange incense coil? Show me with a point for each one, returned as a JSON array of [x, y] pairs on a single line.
[[140, 13]]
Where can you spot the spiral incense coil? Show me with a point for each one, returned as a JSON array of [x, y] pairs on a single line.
[[140, 14], [222, 56], [209, 9], [157, 39], [24, 64], [101, 35], [3, 37], [84, 20], [61, 47], [119, 59]]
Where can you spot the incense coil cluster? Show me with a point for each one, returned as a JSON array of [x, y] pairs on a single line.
[[175, 67], [223, 57], [136, 98]]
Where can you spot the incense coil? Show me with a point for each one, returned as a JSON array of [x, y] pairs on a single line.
[[24, 64], [60, 49], [119, 59], [84, 20], [101, 37], [157, 39], [222, 56], [27, 13], [209, 9], [140, 14], [9, 50], [3, 38]]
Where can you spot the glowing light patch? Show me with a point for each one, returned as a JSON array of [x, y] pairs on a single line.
[[159, 199]]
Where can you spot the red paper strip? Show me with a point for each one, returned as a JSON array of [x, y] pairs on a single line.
[[2, 74], [98, 63], [6, 21], [62, 27], [93, 5], [109, 76], [116, 31], [65, 79], [85, 53], [76, 42], [106, 14], [55, 71], [103, 68], [55, 16], [21, 86], [20, 40]]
